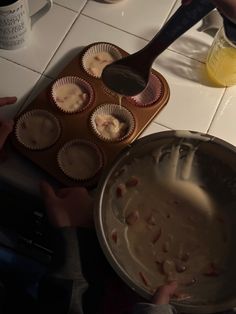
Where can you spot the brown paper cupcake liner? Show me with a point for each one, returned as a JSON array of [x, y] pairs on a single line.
[[37, 129], [120, 113], [85, 87], [93, 66], [150, 95], [80, 160]]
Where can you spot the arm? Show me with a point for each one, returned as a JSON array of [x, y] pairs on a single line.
[[61, 291], [147, 308], [6, 126], [225, 7]]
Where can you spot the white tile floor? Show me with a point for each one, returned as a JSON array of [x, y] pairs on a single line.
[[75, 5], [47, 35], [132, 16], [71, 24], [193, 44], [193, 101], [15, 80], [223, 124], [85, 31]]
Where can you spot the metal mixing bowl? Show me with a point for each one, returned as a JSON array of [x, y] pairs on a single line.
[[216, 162]]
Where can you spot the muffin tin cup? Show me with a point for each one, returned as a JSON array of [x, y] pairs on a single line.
[[82, 84], [119, 112], [80, 124], [95, 157], [21, 125], [110, 92], [150, 95], [93, 51]]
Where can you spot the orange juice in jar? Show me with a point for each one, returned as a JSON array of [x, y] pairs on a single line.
[[221, 60]]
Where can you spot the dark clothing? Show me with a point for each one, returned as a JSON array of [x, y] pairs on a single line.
[[62, 287], [68, 284], [61, 291]]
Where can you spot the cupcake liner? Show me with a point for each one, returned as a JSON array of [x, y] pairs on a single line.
[[122, 114], [80, 160], [150, 94], [37, 129], [73, 106], [89, 64]]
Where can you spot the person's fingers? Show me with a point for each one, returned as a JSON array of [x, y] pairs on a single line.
[[5, 129], [82, 190], [62, 193], [7, 101], [48, 194], [164, 293], [52, 202], [227, 8]]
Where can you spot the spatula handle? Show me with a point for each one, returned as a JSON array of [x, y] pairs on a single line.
[[182, 20]]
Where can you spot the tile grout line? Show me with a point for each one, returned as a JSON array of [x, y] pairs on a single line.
[[147, 40], [168, 15], [21, 65], [76, 18], [22, 106], [217, 109], [42, 76], [183, 55], [92, 18], [42, 73], [62, 6], [139, 37], [78, 14], [83, 6], [167, 127]]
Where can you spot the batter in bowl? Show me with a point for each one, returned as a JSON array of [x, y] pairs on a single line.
[[163, 225]]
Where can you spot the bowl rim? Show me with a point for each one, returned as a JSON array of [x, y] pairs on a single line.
[[125, 153]]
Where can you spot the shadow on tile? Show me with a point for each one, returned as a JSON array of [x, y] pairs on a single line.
[[185, 68], [191, 47], [173, 64], [150, 32], [42, 84]]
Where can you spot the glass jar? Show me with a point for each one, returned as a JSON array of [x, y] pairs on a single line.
[[221, 60]]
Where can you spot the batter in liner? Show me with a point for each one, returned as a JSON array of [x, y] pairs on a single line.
[[163, 225]]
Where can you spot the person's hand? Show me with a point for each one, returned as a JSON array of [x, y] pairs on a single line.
[[164, 293], [225, 7], [6, 126], [68, 207], [7, 100]]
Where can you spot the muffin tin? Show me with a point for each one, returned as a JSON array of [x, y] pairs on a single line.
[[77, 125]]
